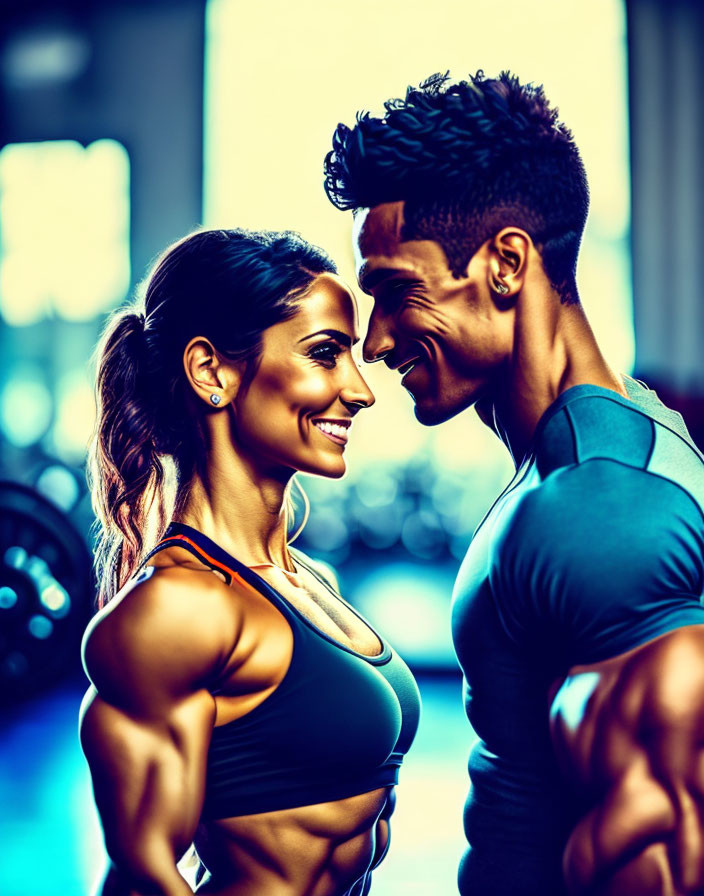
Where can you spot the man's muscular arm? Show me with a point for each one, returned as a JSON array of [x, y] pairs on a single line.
[[147, 720], [629, 733]]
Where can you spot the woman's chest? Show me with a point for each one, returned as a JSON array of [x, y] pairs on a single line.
[[312, 600]]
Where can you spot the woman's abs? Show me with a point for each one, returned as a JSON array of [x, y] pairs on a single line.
[[323, 850]]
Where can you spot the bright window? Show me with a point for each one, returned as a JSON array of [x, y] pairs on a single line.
[[64, 229], [280, 75]]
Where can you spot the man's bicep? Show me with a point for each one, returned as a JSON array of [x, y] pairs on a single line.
[[621, 836], [649, 873], [634, 751]]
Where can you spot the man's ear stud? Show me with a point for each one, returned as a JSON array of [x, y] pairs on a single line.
[[215, 399], [501, 288]]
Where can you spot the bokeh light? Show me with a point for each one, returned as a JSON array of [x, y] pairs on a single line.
[[25, 406], [75, 415], [59, 484], [410, 604]]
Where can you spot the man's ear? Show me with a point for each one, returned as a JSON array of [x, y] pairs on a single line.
[[213, 379], [508, 259]]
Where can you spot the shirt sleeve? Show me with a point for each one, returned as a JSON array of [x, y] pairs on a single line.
[[597, 559]]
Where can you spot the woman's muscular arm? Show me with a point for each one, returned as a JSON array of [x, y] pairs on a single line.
[[147, 720], [629, 733]]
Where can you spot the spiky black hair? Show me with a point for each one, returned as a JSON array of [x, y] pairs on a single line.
[[468, 159]]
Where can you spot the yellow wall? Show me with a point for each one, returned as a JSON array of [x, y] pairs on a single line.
[[281, 74]]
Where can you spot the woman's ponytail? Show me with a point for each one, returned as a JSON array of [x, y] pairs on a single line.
[[227, 286], [125, 470]]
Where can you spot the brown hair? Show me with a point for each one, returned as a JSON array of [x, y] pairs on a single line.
[[226, 285]]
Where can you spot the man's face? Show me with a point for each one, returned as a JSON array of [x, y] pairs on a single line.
[[445, 336]]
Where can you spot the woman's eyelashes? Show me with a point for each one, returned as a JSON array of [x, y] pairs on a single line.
[[325, 353]]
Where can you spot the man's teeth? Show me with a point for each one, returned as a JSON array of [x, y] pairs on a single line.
[[334, 429]]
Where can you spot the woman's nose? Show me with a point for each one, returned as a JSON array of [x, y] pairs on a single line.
[[356, 392]]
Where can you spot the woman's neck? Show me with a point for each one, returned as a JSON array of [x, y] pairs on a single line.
[[239, 508]]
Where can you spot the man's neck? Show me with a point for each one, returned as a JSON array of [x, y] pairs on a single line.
[[554, 349]]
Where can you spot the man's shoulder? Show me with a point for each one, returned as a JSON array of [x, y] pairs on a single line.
[[602, 498], [600, 515], [606, 554], [594, 424], [599, 443], [640, 432]]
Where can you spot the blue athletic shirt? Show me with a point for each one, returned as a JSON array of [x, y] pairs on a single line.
[[595, 547]]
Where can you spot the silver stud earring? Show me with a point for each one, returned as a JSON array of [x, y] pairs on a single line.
[[501, 288], [215, 399]]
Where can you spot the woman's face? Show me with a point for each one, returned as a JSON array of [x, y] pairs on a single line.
[[297, 411]]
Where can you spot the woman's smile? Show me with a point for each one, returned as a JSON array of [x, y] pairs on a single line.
[[307, 378], [336, 430]]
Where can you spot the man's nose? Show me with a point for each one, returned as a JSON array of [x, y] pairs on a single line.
[[379, 340]]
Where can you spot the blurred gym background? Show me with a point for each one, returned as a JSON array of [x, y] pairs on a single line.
[[125, 125]]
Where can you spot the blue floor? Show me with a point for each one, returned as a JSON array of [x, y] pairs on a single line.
[[51, 841]]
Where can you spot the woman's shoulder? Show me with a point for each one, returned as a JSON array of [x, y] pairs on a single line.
[[170, 624]]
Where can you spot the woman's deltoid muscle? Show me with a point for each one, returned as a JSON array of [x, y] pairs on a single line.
[[237, 702]]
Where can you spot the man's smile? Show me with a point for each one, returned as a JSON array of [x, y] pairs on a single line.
[[407, 366]]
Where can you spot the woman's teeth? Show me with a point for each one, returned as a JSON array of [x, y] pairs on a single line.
[[333, 429]]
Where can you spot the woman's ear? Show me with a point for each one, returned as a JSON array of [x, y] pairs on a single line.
[[213, 379]]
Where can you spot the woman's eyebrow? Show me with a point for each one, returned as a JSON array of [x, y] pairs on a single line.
[[343, 338]]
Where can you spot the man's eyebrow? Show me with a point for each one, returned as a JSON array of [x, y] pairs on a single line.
[[343, 338], [368, 280]]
